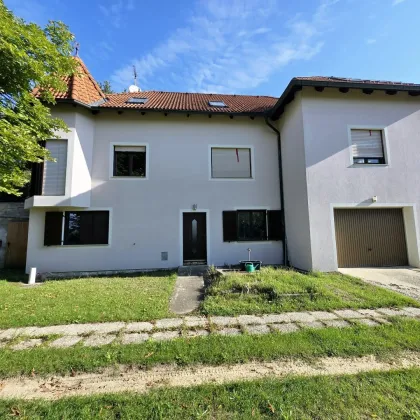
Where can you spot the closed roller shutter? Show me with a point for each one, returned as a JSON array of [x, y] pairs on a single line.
[[54, 181], [370, 238]]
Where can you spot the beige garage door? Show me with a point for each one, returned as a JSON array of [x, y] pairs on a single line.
[[370, 238]]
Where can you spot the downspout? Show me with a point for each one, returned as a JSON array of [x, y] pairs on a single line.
[[284, 239]]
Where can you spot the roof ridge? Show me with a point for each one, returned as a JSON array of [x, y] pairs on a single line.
[[87, 72]]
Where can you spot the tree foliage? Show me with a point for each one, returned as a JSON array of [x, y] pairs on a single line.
[[106, 87], [29, 56]]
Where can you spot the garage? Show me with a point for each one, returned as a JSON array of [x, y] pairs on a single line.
[[370, 237]]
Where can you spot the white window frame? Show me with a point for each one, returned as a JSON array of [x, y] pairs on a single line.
[[384, 130], [111, 161], [226, 146], [64, 210]]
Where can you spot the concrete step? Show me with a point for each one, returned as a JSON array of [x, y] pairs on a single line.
[[192, 270]]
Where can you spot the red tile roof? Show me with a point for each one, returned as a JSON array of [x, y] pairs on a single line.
[[81, 87], [192, 102]]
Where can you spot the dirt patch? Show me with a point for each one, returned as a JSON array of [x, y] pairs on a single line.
[[141, 381]]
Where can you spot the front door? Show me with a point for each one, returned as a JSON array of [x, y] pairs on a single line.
[[195, 238], [17, 243]]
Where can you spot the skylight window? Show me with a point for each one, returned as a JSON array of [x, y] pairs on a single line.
[[137, 101], [219, 104]]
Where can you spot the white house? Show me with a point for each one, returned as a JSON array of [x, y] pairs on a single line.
[[160, 179]]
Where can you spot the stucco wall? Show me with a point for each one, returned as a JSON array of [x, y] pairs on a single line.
[[9, 212], [334, 182], [146, 214], [294, 184]]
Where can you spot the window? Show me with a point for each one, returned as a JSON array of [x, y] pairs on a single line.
[[130, 161], [367, 146], [54, 177], [219, 104], [80, 228], [252, 225], [137, 101], [231, 163]]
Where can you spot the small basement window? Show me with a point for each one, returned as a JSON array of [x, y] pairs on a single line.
[[137, 101], [367, 146], [76, 228], [130, 161], [219, 104]]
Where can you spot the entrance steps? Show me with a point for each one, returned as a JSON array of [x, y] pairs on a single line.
[[192, 270]]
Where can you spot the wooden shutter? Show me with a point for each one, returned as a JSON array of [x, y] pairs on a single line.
[[54, 180], [100, 227], [230, 163], [367, 143], [275, 225], [53, 228], [229, 226]]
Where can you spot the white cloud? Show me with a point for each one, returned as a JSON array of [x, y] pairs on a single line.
[[396, 2], [230, 47], [114, 12], [371, 41]]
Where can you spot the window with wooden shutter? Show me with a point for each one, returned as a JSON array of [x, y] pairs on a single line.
[[275, 225], [231, 162], [367, 146], [86, 228], [53, 228], [54, 177], [230, 231]]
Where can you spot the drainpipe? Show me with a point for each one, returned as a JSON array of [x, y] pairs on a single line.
[[284, 239]]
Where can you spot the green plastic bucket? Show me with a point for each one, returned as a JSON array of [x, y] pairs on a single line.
[[249, 267]]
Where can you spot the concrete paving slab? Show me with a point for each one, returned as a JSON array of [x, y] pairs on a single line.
[[167, 323], [99, 340], [229, 331], [108, 327], [224, 321], [321, 315], [139, 327], [383, 321], [134, 338], [10, 333], [285, 328], [257, 329], [337, 323], [414, 311], [165, 335], [369, 322], [250, 319], [369, 313], [392, 312], [301, 317], [195, 321], [27, 344], [275, 318], [187, 295], [313, 325], [66, 341], [348, 313]]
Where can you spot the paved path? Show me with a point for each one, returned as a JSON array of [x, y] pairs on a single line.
[[404, 280], [129, 379], [187, 295], [94, 335]]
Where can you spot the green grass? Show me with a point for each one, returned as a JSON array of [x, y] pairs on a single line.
[[391, 395], [135, 298], [267, 292], [403, 334]]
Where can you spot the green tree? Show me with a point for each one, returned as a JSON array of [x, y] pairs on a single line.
[[106, 87], [29, 56]]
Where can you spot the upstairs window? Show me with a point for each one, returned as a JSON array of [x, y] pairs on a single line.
[[76, 228], [130, 161], [252, 225], [218, 104], [54, 176], [367, 146], [231, 163]]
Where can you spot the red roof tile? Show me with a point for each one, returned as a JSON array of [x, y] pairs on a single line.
[[191, 102], [81, 87]]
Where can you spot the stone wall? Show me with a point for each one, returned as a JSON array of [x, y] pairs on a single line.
[[9, 212]]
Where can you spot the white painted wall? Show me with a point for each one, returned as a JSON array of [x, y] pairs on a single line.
[[146, 213], [333, 182], [294, 184]]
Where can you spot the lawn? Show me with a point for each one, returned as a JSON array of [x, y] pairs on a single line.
[[390, 395], [125, 298], [278, 290], [385, 340]]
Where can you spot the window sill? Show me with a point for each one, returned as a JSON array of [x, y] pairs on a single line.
[[77, 246], [129, 178], [232, 179], [271, 241], [368, 165]]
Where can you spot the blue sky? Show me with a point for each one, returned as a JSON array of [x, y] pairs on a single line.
[[237, 46]]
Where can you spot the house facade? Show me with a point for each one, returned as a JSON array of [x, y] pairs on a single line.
[[322, 177]]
